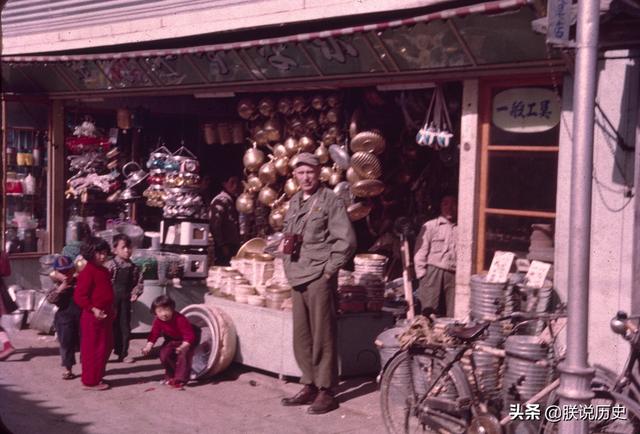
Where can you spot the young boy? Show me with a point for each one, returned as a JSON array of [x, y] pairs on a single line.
[[127, 285], [180, 341], [94, 295], [67, 319]]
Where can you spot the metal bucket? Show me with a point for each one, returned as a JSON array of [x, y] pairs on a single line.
[[388, 344], [43, 316], [26, 299]]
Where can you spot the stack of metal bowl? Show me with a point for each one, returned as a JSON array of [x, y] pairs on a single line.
[[369, 273], [523, 377], [535, 300], [276, 294]]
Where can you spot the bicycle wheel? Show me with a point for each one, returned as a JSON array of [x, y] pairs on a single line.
[[404, 382], [603, 399]]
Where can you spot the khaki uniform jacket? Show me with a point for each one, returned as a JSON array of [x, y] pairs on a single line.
[[328, 239], [436, 245]]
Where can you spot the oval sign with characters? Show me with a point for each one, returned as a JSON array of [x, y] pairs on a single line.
[[526, 110]]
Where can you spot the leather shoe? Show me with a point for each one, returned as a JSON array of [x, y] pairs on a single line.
[[324, 403], [305, 396]]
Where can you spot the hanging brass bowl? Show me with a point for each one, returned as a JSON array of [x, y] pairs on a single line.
[[282, 165], [317, 102], [253, 184], [328, 139], [325, 173], [246, 108], [267, 196], [299, 104], [285, 207], [266, 107], [368, 141], [359, 210], [293, 161], [291, 187], [352, 176], [279, 150], [291, 146], [210, 134], [245, 203], [260, 135], [367, 188], [322, 119], [267, 173], [322, 153], [306, 144], [253, 159], [285, 106], [366, 165]]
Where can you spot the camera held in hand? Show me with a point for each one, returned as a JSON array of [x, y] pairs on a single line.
[[291, 245]]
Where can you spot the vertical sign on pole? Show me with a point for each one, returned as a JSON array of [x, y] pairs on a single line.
[[559, 21]]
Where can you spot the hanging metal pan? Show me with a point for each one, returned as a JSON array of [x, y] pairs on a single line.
[[368, 141], [358, 211], [340, 156], [367, 188], [366, 165]]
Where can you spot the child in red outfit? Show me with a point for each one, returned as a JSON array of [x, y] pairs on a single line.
[[94, 295], [180, 341]]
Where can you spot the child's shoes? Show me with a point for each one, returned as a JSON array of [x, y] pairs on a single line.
[[177, 385]]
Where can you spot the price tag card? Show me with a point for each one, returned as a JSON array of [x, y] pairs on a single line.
[[537, 274], [500, 267]]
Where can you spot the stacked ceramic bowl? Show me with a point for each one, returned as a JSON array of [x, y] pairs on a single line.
[[369, 273], [275, 294], [242, 291], [526, 371], [258, 268], [345, 278], [278, 277]]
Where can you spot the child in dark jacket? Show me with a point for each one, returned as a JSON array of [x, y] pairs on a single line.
[[94, 295], [67, 318], [180, 341], [126, 279]]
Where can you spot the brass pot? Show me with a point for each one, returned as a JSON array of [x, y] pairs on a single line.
[[253, 158], [322, 153], [306, 144], [266, 107], [333, 100], [245, 203], [328, 139], [253, 184], [123, 118], [246, 108], [335, 178], [293, 161], [237, 133], [276, 219], [282, 165], [325, 173], [317, 102], [267, 173], [296, 125], [285, 106], [224, 133], [291, 146], [291, 187], [272, 128], [310, 123], [279, 151], [352, 176], [260, 135], [285, 208], [332, 116], [299, 104], [267, 196]]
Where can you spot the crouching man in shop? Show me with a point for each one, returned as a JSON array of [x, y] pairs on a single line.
[[435, 260], [318, 241]]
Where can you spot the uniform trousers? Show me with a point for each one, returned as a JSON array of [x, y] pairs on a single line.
[[315, 330]]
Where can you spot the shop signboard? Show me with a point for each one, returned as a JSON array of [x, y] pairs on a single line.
[[526, 110]]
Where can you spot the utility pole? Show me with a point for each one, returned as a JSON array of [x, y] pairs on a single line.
[[575, 372]]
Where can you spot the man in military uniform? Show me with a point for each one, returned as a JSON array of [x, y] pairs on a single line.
[[223, 221], [318, 222]]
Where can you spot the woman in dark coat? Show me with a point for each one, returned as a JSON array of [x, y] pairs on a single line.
[[7, 305]]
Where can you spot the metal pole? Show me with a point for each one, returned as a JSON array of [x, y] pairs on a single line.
[[575, 373]]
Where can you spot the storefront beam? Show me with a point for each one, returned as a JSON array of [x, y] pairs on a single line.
[[520, 213], [303, 83], [56, 178], [516, 148], [251, 67]]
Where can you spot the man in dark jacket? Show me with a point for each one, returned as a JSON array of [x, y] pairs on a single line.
[[318, 241]]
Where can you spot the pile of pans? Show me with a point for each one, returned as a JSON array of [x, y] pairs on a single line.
[[369, 274]]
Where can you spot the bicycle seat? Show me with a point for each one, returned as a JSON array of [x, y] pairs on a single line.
[[467, 333]]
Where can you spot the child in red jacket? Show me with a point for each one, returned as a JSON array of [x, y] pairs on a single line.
[[180, 341], [94, 295]]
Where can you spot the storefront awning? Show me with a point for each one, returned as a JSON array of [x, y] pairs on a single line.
[[477, 36]]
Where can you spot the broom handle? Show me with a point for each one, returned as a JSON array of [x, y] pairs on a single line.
[[408, 290]]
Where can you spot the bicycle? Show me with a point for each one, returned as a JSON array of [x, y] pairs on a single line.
[[430, 388]]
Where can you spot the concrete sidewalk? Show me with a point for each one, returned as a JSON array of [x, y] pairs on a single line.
[[34, 399]]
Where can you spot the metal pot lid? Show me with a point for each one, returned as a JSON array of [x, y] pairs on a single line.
[[368, 141], [254, 245], [367, 188], [366, 165], [359, 210], [340, 156]]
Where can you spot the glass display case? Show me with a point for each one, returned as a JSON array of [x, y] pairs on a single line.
[[26, 195]]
